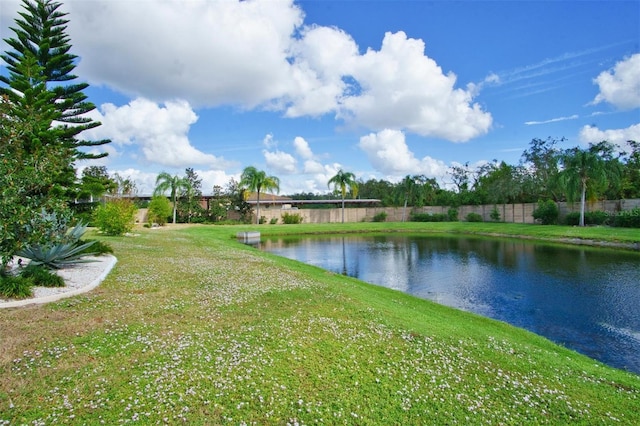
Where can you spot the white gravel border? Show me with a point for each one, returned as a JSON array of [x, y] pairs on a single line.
[[79, 279]]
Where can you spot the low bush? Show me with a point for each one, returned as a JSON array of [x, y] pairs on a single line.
[[474, 217], [380, 217], [273, 220], [15, 287], [627, 218], [41, 276], [546, 213], [116, 217], [291, 218], [428, 217], [57, 254], [590, 218]]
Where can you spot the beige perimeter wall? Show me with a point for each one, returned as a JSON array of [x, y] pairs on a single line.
[[515, 213]]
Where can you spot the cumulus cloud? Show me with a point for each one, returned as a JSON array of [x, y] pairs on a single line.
[[160, 132], [208, 52], [591, 134], [261, 54], [280, 162], [401, 88], [389, 153], [302, 148], [620, 86]]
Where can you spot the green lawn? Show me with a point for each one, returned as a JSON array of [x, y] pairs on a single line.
[[192, 326]]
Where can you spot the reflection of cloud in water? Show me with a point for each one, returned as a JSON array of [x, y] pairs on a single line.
[[622, 331]]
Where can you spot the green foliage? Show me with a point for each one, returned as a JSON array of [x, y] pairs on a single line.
[[429, 217], [380, 217], [474, 217], [159, 210], [291, 218], [254, 180], [273, 221], [174, 184], [60, 252], [117, 217], [42, 276], [628, 218], [263, 219], [495, 215], [452, 214], [590, 218], [15, 287], [547, 212]]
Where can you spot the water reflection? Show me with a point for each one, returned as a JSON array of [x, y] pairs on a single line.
[[585, 299]]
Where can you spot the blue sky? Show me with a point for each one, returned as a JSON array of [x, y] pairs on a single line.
[[378, 88]]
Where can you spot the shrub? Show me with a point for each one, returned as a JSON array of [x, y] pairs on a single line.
[[547, 212], [428, 217], [628, 218], [291, 219], [12, 287], [273, 220], [380, 217], [590, 218], [452, 214], [41, 276], [59, 254], [159, 210], [474, 217], [116, 217], [263, 219], [495, 215]]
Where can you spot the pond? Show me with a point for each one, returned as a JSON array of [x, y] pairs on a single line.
[[583, 298]]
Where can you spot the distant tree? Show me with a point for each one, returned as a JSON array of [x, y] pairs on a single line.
[[341, 182], [541, 161], [174, 184], [95, 182], [255, 180], [582, 171], [235, 194], [630, 179], [189, 207]]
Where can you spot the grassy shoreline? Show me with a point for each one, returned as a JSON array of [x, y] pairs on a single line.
[[191, 326]]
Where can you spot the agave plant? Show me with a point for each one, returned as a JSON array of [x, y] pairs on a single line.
[[59, 255]]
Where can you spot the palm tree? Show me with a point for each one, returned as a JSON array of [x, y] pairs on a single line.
[[255, 180], [583, 170], [174, 184], [343, 180]]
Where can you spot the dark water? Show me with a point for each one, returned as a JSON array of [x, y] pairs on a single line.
[[585, 299]]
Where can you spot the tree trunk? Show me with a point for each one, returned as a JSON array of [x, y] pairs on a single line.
[[342, 209], [582, 202], [258, 209]]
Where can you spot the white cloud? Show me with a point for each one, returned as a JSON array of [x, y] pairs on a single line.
[[208, 52], [259, 54], [302, 148], [389, 154], [404, 89], [621, 85], [313, 167], [552, 120], [591, 134], [280, 162], [161, 132]]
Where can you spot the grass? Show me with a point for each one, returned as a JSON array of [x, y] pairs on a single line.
[[191, 326]]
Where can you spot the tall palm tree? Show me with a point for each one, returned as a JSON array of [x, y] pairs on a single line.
[[173, 184], [583, 170], [343, 180], [255, 180]]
